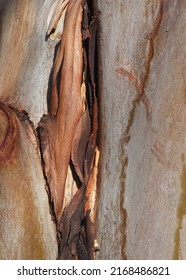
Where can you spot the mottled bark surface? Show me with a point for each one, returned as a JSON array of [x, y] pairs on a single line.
[[26, 229], [142, 173], [26, 57]]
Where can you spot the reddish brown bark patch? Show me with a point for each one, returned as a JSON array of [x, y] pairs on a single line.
[[8, 132]]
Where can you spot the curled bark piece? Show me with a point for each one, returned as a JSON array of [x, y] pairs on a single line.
[[68, 105], [69, 135], [56, 36], [79, 144], [70, 226], [9, 132], [56, 16]]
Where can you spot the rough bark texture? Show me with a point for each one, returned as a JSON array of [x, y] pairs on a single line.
[[142, 181], [62, 146], [142, 173], [69, 105]]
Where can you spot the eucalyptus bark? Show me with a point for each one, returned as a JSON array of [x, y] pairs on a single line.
[[65, 138], [141, 95], [142, 174]]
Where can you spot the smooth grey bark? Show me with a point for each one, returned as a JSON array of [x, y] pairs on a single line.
[[142, 155], [26, 57]]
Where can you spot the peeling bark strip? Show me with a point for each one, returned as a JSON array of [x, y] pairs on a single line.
[[56, 16], [69, 133], [8, 127]]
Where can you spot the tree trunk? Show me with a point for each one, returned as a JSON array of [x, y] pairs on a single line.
[[142, 166], [44, 183], [27, 230], [49, 126]]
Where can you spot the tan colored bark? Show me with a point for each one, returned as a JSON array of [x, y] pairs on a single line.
[[67, 105], [26, 228]]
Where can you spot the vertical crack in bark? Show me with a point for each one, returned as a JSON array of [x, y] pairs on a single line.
[[140, 87], [125, 138], [123, 225], [68, 134]]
